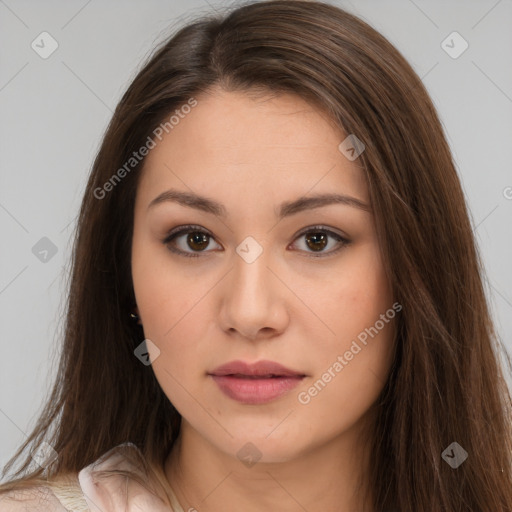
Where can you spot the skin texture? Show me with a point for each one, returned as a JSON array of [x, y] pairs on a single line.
[[289, 305]]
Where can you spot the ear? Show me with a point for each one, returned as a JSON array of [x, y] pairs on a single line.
[[135, 311]]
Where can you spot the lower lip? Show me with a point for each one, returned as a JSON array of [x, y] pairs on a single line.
[[255, 391]]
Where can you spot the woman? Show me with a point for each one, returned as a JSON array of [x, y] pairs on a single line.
[[276, 300]]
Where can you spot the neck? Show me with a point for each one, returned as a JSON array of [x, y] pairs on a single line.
[[326, 477]]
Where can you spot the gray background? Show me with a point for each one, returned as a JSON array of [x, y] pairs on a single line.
[[54, 111]]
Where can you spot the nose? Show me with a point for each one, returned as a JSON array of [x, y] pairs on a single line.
[[253, 300]]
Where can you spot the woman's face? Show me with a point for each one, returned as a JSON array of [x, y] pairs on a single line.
[[264, 274]]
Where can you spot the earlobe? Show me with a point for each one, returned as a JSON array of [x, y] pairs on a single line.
[[135, 315]]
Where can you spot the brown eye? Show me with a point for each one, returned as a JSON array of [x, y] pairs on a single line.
[[195, 242], [316, 241]]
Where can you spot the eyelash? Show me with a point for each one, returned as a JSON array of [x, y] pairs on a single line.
[[197, 229]]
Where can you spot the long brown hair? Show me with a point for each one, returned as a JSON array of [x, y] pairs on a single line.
[[446, 383]]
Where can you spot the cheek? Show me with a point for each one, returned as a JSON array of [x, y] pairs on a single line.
[[357, 297], [173, 315], [166, 303], [166, 292], [348, 382], [356, 361], [173, 310], [171, 323]]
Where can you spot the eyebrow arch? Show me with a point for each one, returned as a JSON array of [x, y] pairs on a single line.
[[286, 209]]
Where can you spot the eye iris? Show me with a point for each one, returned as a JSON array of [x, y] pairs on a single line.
[[315, 238], [197, 238]]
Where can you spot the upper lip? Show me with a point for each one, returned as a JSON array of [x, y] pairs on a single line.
[[260, 368]]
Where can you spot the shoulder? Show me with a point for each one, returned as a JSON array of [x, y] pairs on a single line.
[[60, 495], [119, 478], [68, 491], [36, 498], [108, 484]]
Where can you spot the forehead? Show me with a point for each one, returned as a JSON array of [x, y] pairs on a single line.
[[268, 143]]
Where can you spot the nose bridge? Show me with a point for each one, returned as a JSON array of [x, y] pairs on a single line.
[[252, 297], [251, 275]]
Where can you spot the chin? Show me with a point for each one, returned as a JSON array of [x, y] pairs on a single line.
[[258, 446]]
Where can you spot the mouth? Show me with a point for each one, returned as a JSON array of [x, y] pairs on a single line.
[[254, 377], [257, 383], [259, 370]]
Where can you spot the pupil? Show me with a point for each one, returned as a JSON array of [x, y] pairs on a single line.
[[317, 237], [195, 238]]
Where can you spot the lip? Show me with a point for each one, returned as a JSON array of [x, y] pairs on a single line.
[[255, 383]]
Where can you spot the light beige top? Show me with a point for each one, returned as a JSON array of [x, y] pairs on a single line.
[[91, 492]]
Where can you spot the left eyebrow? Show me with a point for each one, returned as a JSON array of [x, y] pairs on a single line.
[[286, 208]]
